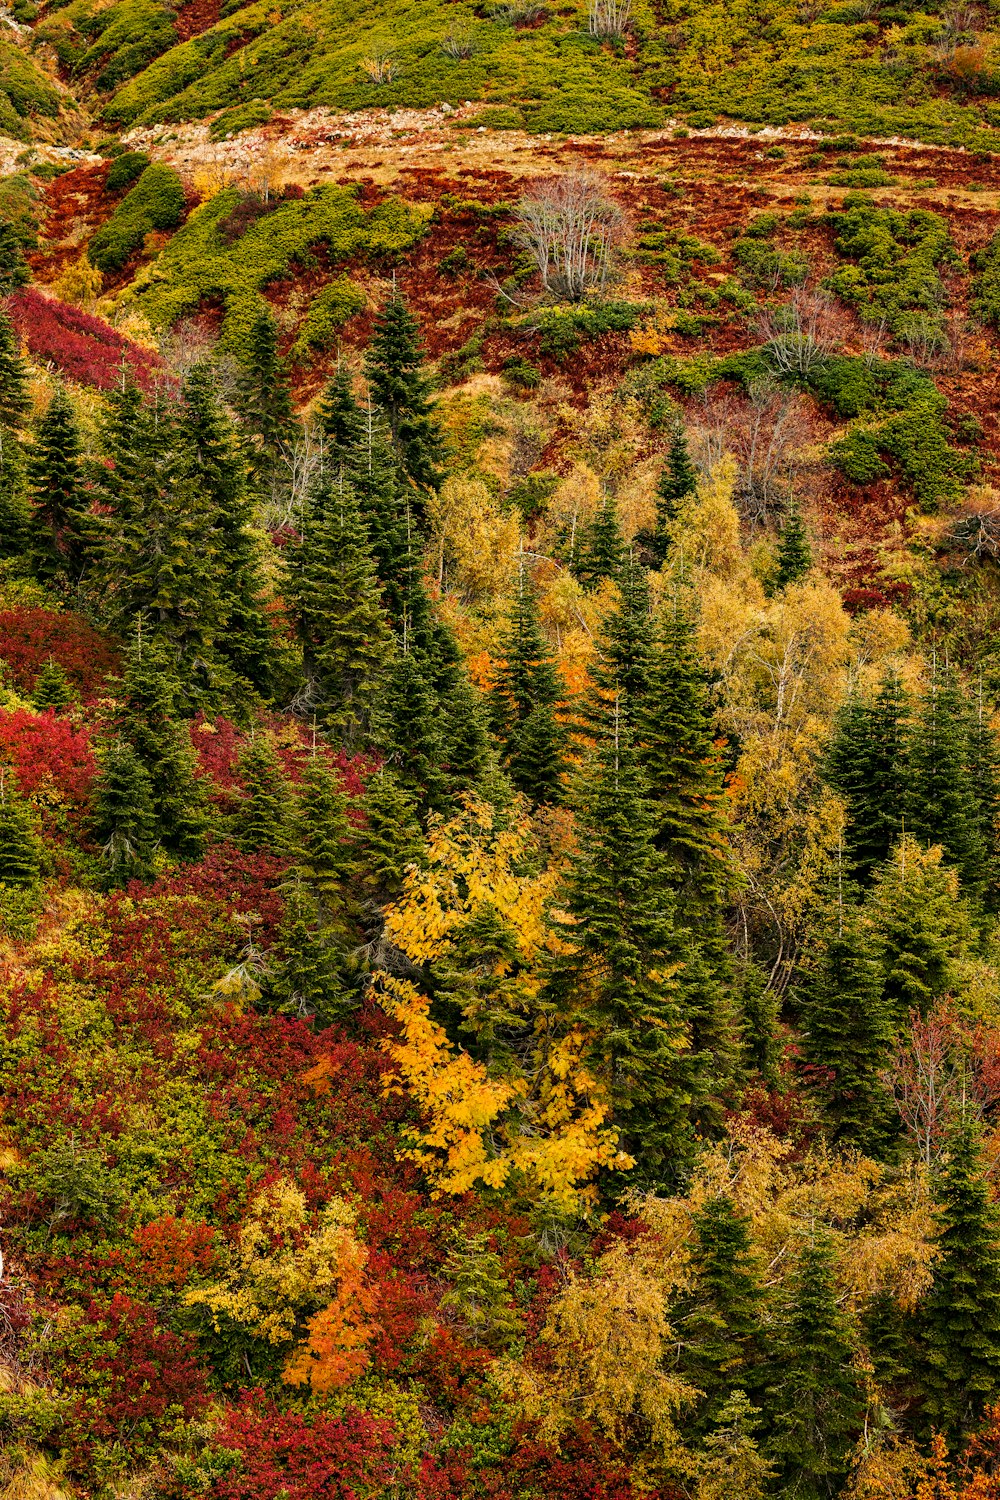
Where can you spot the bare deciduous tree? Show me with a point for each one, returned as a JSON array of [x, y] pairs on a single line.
[[800, 334], [609, 18], [767, 436], [570, 227]]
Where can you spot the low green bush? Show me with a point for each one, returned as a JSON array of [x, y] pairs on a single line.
[[126, 169], [244, 117], [562, 330], [896, 256], [984, 302], [328, 312], [156, 202]]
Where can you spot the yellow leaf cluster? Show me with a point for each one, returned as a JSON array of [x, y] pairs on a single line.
[[280, 1269]]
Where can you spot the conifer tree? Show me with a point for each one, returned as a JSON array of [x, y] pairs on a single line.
[[15, 513], [412, 737], [924, 930], [866, 766], [460, 705], [683, 766], [19, 847], [625, 651], [604, 552], [388, 839], [400, 389], [212, 461], [817, 1402], [794, 555], [325, 859], [264, 820], [148, 724], [984, 774], [14, 271], [477, 987], [941, 802], [845, 1028], [677, 481], [619, 974], [306, 980], [60, 523], [52, 688], [14, 398], [958, 1372], [335, 595], [523, 702], [341, 421], [265, 397], [760, 1010], [382, 491], [719, 1321], [124, 821]]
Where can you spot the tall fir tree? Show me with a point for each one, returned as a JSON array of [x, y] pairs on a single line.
[[412, 737], [341, 421], [817, 1402], [719, 1321], [942, 806], [387, 840], [123, 818], [325, 858], [604, 550], [265, 817], [147, 722], [211, 460], [15, 512], [677, 481], [620, 973], [625, 650], [794, 555], [984, 773], [866, 765], [14, 399], [62, 531], [264, 403], [336, 600], [924, 930], [20, 852], [958, 1369], [14, 271], [401, 390], [846, 1030], [52, 688], [524, 701], [760, 1011]]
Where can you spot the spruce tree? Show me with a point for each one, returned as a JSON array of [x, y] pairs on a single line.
[[525, 697], [324, 856], [14, 271], [52, 688], [683, 766], [958, 1372], [14, 398], [211, 460], [336, 599], [924, 930], [866, 765], [19, 848], [677, 481], [478, 988], [341, 421], [147, 722], [388, 838], [620, 973], [15, 512], [817, 1402], [984, 773], [604, 549], [264, 819], [264, 403], [412, 737], [124, 820], [373, 471], [794, 554], [625, 649], [846, 1030], [760, 1011], [306, 980], [400, 389], [60, 522], [941, 802], [719, 1322]]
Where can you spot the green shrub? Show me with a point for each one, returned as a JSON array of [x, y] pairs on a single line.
[[245, 117], [125, 170], [198, 263], [896, 256], [328, 312], [521, 373], [765, 265], [985, 299], [563, 329], [156, 202]]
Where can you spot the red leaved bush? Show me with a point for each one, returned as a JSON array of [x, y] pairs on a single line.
[[31, 637], [331, 1458], [49, 753], [130, 1379], [85, 348], [172, 1249]]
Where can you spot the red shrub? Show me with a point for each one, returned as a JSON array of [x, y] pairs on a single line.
[[86, 349], [49, 753], [332, 1458], [29, 638], [170, 1249]]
